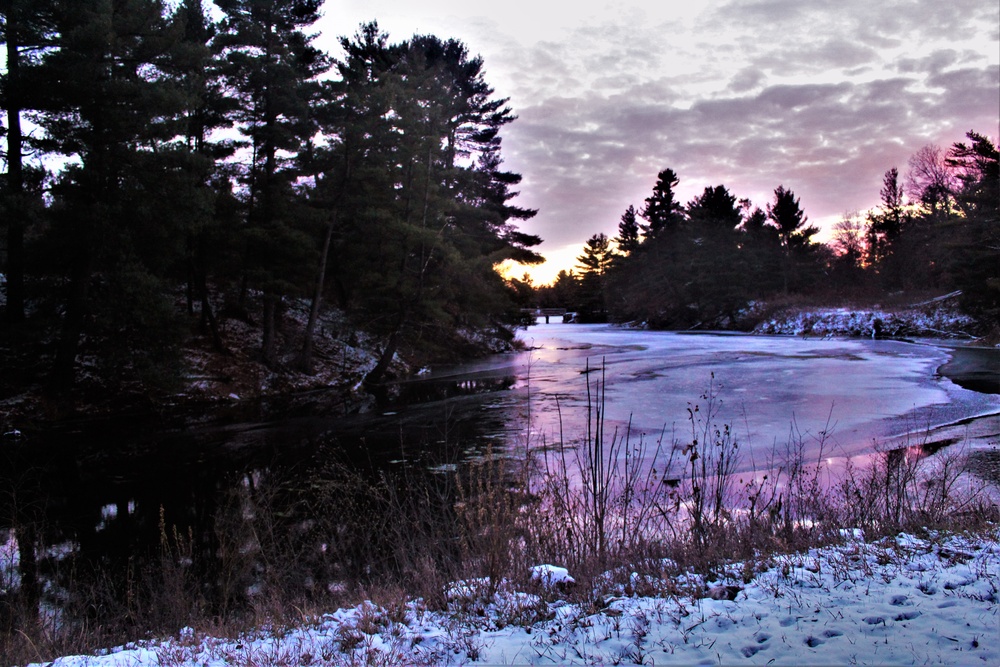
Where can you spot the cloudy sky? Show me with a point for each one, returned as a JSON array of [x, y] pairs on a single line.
[[819, 96]]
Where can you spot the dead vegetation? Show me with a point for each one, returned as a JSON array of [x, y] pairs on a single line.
[[286, 548]]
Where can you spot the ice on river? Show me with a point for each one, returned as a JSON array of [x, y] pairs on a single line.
[[859, 391]]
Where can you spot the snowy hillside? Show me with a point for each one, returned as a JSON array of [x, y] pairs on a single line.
[[874, 323], [902, 601]]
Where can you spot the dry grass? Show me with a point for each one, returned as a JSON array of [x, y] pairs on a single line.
[[286, 548]]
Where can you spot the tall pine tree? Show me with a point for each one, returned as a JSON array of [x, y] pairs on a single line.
[[663, 213], [271, 68], [795, 237], [105, 99], [27, 30]]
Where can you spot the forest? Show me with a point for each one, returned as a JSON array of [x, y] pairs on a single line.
[[705, 263], [173, 165]]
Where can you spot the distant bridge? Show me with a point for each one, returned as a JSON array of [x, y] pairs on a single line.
[[544, 312]]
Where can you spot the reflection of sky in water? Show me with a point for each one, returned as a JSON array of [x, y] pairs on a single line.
[[867, 389]]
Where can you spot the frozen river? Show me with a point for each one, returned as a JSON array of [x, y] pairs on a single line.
[[861, 392], [107, 490]]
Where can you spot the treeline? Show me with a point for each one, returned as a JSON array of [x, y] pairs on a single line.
[[215, 149], [702, 264]]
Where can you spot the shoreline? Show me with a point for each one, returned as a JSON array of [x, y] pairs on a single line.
[[973, 368]]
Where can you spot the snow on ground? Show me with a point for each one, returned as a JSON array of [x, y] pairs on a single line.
[[902, 601], [933, 322]]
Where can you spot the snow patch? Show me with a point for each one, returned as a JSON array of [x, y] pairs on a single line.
[[828, 322], [855, 603], [551, 576]]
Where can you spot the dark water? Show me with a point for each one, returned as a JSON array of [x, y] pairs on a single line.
[[106, 492], [974, 368], [102, 502]]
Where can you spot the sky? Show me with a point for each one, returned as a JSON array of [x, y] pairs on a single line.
[[821, 97]]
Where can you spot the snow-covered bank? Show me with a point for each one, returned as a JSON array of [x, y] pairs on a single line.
[[934, 322], [900, 601], [233, 384]]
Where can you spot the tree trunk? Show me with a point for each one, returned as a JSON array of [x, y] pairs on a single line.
[[64, 366], [388, 352], [14, 311], [208, 315], [30, 591], [268, 344], [305, 358], [189, 288]]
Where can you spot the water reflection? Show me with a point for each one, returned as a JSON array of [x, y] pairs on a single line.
[[99, 506], [113, 496], [852, 392]]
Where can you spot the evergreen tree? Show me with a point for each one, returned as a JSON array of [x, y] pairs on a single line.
[[106, 98], [717, 273], [594, 264], [428, 214], [271, 67], [886, 225], [596, 257], [27, 29], [649, 283], [974, 261], [192, 159], [715, 208], [628, 232], [760, 246], [561, 293], [663, 212], [798, 266]]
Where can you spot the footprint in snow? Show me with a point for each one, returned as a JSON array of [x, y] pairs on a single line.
[[874, 620], [907, 616], [899, 601], [830, 634], [958, 583], [813, 642]]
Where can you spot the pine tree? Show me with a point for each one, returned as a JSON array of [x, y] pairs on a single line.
[[886, 225], [974, 257], [596, 257], [663, 212], [594, 264], [715, 208], [628, 232], [795, 237], [717, 275], [105, 100], [197, 156], [760, 245], [271, 67], [27, 29], [428, 212]]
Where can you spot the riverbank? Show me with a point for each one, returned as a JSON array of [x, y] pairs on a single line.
[[299, 536], [905, 600], [936, 319], [896, 563], [974, 367], [221, 385]]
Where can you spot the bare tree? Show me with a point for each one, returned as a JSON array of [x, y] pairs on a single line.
[[930, 181], [849, 237]]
